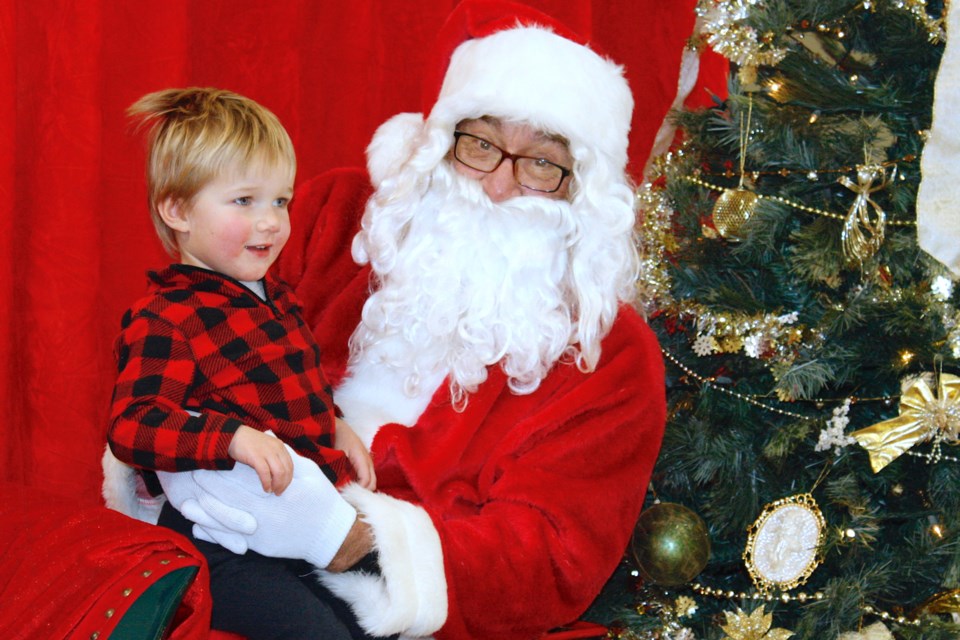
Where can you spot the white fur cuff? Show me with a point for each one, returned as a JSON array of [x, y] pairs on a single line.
[[410, 597], [123, 490]]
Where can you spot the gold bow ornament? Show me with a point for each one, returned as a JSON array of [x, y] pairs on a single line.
[[923, 417]]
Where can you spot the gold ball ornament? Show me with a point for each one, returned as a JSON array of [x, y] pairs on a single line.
[[732, 209], [670, 544]]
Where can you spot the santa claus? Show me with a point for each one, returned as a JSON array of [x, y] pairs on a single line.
[[481, 340]]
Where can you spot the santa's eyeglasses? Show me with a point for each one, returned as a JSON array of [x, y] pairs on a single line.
[[537, 174]]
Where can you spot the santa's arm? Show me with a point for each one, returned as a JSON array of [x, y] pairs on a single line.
[[558, 507]]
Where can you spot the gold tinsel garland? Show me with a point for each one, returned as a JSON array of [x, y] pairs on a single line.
[[725, 28], [726, 33]]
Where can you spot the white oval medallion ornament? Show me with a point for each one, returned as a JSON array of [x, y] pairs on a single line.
[[783, 545]]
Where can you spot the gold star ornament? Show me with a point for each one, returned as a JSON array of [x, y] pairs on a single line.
[[752, 626]]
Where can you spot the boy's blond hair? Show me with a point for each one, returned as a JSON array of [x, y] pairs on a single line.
[[195, 135]]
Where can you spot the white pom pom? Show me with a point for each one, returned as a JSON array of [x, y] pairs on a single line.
[[392, 145]]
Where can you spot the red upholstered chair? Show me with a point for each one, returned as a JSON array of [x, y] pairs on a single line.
[[85, 573], [68, 571]]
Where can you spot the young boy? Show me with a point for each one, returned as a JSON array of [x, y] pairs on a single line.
[[217, 354]]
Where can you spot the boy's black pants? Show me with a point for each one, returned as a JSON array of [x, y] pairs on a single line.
[[265, 598]]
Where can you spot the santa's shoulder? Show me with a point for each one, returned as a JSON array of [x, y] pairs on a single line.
[[324, 216], [630, 338], [335, 191]]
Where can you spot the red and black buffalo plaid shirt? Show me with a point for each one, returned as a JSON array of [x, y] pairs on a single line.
[[203, 342]]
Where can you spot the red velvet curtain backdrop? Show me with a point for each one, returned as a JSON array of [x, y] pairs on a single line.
[[75, 238]]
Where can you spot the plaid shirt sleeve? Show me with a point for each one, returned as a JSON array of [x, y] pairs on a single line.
[[149, 426]]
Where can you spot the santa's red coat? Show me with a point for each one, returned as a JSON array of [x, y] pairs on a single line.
[[506, 519]]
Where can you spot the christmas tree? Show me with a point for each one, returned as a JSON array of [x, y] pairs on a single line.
[[807, 486]]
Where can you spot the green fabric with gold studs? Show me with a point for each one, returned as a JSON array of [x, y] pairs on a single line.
[[150, 615]]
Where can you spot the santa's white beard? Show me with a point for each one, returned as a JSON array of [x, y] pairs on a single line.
[[463, 284]]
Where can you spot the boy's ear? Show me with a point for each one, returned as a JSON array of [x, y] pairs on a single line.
[[174, 214]]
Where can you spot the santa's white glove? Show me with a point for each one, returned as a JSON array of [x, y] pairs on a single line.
[[309, 521], [183, 492]]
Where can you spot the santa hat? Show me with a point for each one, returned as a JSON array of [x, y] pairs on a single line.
[[506, 60]]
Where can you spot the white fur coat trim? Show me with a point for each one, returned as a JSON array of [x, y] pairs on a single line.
[[372, 396], [410, 597]]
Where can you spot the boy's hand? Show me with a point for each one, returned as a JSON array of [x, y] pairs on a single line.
[[349, 442], [266, 454]]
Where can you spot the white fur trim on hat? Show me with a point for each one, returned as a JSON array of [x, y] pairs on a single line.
[[392, 145], [524, 74], [410, 597], [533, 75]]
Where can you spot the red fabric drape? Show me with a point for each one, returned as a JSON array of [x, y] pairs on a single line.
[[75, 238]]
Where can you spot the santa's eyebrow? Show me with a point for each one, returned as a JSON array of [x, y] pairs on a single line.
[[545, 136], [553, 137]]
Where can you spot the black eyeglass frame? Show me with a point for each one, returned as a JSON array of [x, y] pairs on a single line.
[[505, 155]]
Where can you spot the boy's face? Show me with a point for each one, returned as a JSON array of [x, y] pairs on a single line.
[[236, 224]]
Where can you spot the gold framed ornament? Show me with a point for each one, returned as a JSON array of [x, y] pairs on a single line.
[[784, 544]]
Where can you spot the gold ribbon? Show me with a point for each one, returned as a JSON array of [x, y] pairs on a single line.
[[923, 417], [944, 602], [863, 235]]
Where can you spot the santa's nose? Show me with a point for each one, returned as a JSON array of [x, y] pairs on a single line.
[[501, 184]]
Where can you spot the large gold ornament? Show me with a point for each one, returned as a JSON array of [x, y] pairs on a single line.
[[863, 233], [732, 209], [670, 544], [753, 626], [923, 417], [783, 545], [735, 206]]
